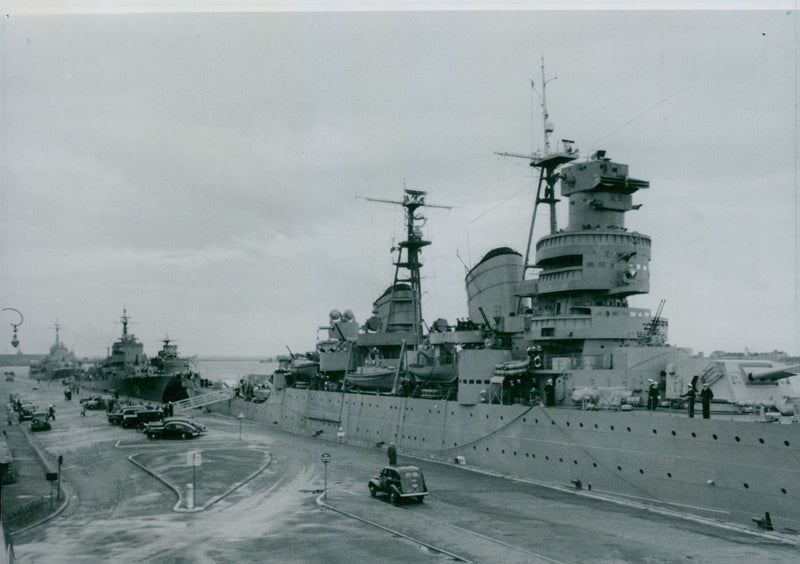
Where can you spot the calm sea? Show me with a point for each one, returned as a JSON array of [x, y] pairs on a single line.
[[231, 370]]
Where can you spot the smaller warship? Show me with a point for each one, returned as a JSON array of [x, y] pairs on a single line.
[[128, 371], [59, 363]]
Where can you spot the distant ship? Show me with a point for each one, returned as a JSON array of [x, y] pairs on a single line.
[[549, 376], [59, 363], [127, 370]]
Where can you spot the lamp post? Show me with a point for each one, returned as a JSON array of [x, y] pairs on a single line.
[[15, 339]]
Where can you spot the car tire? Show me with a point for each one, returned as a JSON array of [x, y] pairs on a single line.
[[372, 491], [394, 498], [420, 498]]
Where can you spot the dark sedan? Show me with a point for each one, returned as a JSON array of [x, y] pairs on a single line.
[[172, 430]]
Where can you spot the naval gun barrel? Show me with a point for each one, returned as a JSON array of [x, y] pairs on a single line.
[[770, 376]]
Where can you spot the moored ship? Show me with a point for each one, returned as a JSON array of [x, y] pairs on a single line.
[[60, 362], [128, 371], [552, 372]]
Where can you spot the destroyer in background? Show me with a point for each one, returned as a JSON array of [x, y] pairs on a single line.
[[551, 373], [59, 363]]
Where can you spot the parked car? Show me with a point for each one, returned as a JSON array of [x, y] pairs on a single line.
[[94, 402], [399, 482], [140, 418], [187, 419], [40, 421], [172, 430], [115, 417], [26, 411]]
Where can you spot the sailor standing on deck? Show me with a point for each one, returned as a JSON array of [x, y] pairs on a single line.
[[549, 393], [691, 393], [705, 397], [652, 396]]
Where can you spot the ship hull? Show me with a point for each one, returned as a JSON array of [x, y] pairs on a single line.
[[721, 469], [160, 389]]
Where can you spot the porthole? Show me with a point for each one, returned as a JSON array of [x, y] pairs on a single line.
[[669, 474], [783, 491], [501, 450], [536, 420], [655, 432], [594, 464], [737, 439], [629, 429], [619, 468], [524, 419], [567, 423], [547, 457], [515, 453], [761, 441], [612, 427], [746, 486], [501, 418], [641, 471], [576, 462], [595, 426], [580, 425], [552, 422], [694, 435], [785, 443], [487, 449], [561, 460], [714, 436], [673, 433]]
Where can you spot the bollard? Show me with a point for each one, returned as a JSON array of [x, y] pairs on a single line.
[[189, 496]]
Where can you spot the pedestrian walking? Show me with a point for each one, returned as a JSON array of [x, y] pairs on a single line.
[[392, 452], [705, 397]]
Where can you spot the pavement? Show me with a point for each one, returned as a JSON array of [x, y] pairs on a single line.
[[30, 499]]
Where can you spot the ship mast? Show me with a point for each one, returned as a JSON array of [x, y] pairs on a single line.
[[412, 201], [547, 162]]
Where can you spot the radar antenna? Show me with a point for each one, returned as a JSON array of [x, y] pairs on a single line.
[[412, 201], [547, 162]]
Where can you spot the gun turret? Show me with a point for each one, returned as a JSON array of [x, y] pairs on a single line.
[[771, 376]]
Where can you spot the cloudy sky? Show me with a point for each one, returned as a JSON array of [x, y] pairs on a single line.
[[203, 170]]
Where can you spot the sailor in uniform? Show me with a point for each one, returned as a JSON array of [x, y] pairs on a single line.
[[652, 396], [705, 397], [549, 392]]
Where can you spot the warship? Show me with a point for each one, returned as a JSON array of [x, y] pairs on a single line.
[[128, 371], [58, 364], [553, 376]]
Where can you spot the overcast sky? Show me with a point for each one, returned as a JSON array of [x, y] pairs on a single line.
[[202, 170]]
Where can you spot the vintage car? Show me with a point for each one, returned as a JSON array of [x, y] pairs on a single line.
[[141, 418], [26, 411], [172, 430], [399, 482], [94, 402], [40, 422], [115, 417]]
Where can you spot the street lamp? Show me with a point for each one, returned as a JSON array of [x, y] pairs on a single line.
[[14, 339]]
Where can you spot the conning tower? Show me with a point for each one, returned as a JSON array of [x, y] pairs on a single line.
[[588, 269]]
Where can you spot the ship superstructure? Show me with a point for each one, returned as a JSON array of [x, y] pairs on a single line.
[[59, 363], [553, 369]]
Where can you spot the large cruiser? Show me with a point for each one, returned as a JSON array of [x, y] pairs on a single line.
[[555, 378]]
